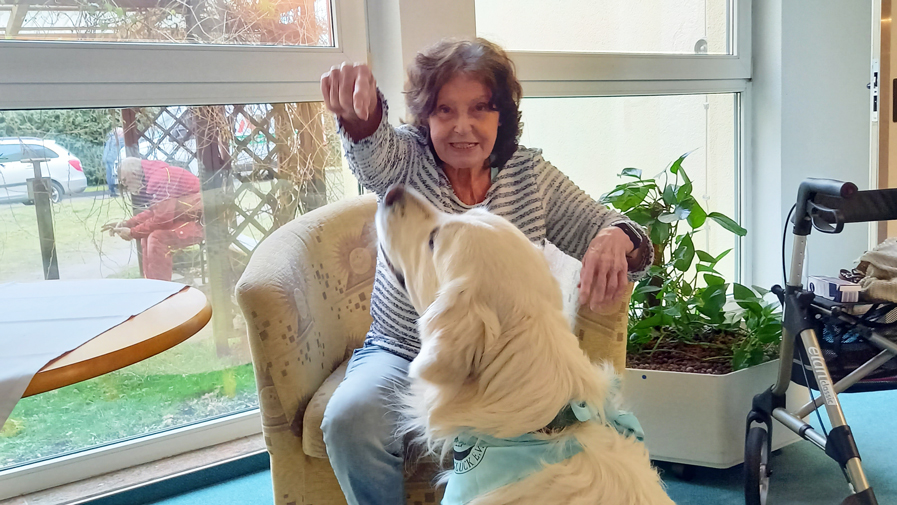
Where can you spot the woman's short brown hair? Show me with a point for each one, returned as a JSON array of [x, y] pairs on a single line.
[[480, 59]]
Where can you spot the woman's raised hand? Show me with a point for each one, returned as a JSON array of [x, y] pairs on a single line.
[[350, 92]]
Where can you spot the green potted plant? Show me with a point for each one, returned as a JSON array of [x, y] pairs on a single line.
[[699, 346]]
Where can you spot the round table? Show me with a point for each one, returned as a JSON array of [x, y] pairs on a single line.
[[157, 329]]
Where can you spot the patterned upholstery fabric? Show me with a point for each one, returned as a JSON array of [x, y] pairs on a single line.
[[312, 435], [305, 298], [601, 334]]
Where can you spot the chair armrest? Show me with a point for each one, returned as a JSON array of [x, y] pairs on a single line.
[[601, 334], [298, 296]]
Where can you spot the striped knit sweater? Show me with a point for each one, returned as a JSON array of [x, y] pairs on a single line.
[[528, 191]]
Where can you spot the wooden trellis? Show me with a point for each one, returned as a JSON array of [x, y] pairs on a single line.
[[295, 151], [259, 166], [249, 217]]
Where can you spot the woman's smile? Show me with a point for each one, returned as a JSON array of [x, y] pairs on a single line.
[[464, 125]]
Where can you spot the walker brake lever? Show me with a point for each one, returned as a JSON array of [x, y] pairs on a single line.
[[825, 219]]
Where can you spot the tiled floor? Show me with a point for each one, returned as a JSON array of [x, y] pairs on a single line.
[[78, 492]]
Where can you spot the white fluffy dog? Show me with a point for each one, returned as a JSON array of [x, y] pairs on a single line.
[[498, 361]]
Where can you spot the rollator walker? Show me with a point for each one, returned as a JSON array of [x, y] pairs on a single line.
[[836, 347]]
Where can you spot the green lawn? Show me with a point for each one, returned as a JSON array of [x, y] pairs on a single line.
[[83, 251], [183, 385]]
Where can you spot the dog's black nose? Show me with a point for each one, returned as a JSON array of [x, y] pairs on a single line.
[[394, 194]]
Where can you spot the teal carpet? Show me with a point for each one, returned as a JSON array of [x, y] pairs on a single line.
[[802, 474], [250, 489]]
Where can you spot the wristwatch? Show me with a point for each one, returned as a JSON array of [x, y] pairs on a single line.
[[632, 232]]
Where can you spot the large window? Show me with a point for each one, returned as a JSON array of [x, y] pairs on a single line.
[[592, 139], [115, 73], [239, 110], [611, 85], [284, 160]]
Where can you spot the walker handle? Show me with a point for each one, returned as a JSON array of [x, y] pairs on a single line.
[[808, 190]]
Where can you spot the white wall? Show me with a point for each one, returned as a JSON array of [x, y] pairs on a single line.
[[400, 28], [385, 46], [810, 118]]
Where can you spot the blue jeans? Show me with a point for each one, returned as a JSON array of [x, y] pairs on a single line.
[[360, 423], [110, 176]]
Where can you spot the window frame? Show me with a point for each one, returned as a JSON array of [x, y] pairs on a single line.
[[176, 74], [138, 450], [541, 69]]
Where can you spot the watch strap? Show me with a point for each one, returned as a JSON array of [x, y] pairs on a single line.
[[632, 232]]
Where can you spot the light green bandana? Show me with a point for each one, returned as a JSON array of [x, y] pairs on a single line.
[[484, 464]]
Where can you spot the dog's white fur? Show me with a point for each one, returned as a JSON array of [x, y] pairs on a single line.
[[497, 354]]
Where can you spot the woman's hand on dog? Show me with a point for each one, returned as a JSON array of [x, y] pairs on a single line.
[[603, 278]]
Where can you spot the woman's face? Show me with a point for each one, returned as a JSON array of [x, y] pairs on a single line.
[[464, 125]]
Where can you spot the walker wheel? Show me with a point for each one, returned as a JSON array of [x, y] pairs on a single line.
[[756, 467]]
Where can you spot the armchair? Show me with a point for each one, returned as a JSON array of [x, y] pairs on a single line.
[[305, 297]]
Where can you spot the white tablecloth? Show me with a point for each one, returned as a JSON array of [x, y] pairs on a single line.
[[41, 321]]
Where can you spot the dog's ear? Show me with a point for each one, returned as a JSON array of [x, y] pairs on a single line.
[[456, 331]]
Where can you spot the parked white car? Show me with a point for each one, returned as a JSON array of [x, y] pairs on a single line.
[[62, 167]]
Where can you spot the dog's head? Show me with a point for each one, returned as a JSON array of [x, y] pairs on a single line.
[[407, 229], [467, 275]]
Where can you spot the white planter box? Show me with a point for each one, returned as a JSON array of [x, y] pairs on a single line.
[[699, 419]]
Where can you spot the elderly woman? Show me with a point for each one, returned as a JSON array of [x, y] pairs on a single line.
[[172, 216], [169, 225], [459, 151], [151, 181]]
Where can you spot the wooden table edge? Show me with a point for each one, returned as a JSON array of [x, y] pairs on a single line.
[[120, 358]]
